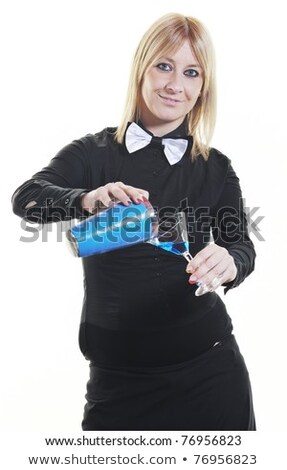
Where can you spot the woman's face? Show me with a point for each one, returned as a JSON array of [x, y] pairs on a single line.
[[170, 90]]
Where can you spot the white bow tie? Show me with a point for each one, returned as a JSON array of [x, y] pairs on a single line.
[[137, 138]]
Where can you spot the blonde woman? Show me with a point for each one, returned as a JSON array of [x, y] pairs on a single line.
[[160, 357]]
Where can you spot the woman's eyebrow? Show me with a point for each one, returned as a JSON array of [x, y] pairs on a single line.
[[168, 59], [194, 65]]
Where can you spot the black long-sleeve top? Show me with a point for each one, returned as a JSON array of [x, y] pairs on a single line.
[[139, 309]]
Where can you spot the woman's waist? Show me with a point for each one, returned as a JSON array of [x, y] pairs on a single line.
[[154, 345], [162, 302]]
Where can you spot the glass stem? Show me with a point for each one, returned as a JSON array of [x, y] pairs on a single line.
[[187, 256]]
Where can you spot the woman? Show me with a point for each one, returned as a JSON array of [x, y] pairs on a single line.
[[160, 357]]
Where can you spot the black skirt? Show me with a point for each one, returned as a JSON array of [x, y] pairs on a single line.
[[209, 392]]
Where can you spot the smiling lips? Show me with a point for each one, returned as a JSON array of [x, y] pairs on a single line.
[[169, 100]]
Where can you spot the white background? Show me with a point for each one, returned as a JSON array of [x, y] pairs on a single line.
[[66, 66]]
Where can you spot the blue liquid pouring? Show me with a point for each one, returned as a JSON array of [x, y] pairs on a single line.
[[178, 248]]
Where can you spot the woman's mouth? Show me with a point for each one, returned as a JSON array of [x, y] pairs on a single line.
[[169, 100]]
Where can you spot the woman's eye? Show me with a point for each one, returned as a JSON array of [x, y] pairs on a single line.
[[191, 73], [164, 67]]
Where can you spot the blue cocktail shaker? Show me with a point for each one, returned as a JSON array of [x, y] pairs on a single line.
[[116, 227]]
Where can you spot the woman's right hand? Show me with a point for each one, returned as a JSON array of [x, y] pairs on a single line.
[[104, 196]]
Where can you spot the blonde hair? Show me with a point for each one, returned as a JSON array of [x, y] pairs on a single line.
[[165, 36]]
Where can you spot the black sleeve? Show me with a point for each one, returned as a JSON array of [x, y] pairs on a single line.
[[230, 228], [54, 192]]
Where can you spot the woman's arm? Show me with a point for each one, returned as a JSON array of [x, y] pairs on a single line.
[[54, 193], [232, 254], [67, 189], [230, 229]]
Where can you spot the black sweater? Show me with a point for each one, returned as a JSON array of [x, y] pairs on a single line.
[[139, 309]]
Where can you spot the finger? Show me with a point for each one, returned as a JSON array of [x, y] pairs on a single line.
[[218, 272], [94, 201], [209, 264], [119, 193], [112, 193], [102, 196], [129, 188], [143, 192], [224, 269], [210, 255], [212, 264], [194, 264], [136, 194]]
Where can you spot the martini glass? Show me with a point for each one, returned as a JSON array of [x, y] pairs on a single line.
[[172, 236]]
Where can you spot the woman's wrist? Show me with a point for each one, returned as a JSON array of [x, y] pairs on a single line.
[[83, 200], [233, 274]]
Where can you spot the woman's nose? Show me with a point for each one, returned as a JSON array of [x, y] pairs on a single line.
[[174, 84]]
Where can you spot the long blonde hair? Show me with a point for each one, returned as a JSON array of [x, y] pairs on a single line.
[[165, 36]]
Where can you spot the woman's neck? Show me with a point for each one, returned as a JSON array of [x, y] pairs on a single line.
[[161, 129]]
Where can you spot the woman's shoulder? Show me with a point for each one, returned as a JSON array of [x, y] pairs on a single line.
[[216, 157], [217, 162], [92, 145], [217, 165], [102, 138]]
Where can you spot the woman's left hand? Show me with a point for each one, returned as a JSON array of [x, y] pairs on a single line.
[[212, 266]]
